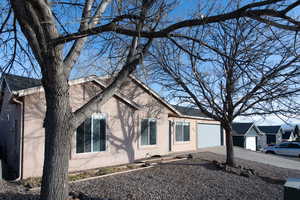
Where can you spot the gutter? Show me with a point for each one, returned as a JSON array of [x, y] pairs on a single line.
[[21, 103], [198, 118], [40, 88]]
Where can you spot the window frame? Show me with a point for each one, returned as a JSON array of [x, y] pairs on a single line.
[[284, 145], [148, 131], [102, 116], [183, 123], [294, 145]]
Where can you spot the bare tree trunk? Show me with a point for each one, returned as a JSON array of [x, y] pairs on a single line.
[[229, 146], [58, 132]]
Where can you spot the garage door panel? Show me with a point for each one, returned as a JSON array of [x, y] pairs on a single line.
[[209, 135], [251, 143]]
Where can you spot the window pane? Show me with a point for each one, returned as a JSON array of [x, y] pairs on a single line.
[[144, 132], [87, 135], [284, 145], [294, 145], [80, 139], [179, 135], [186, 131], [96, 134], [152, 132], [102, 135]]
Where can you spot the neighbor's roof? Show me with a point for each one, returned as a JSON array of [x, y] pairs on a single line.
[[296, 131], [16, 83], [188, 111], [286, 135], [241, 128], [269, 129]]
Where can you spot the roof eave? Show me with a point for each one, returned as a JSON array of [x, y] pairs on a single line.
[[255, 127], [155, 95], [128, 101], [235, 134], [36, 89], [29, 91], [195, 117]]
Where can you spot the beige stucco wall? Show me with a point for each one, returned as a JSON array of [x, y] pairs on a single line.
[[123, 128]]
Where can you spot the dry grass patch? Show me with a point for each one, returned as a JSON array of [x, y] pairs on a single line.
[[75, 176]]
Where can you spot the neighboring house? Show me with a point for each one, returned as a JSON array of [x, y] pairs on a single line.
[[291, 134], [296, 133], [136, 122], [248, 136], [273, 133]]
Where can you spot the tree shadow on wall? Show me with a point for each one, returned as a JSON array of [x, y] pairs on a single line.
[[128, 118]]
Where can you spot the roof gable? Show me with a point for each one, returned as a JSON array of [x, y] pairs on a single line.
[[296, 131], [270, 129], [241, 128], [118, 95], [22, 86], [286, 135], [154, 94]]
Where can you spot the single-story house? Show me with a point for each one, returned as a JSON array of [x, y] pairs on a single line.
[[273, 133], [135, 123], [296, 132], [247, 135], [287, 135], [291, 134]]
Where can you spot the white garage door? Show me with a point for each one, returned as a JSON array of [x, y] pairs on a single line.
[[209, 135], [251, 143]]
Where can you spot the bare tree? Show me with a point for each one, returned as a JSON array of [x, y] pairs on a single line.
[[234, 68], [56, 39]]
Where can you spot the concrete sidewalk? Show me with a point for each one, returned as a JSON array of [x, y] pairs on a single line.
[[257, 157]]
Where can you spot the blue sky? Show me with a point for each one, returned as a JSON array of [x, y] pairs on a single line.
[[183, 11]]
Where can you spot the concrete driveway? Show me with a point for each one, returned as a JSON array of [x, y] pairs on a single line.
[[260, 157]]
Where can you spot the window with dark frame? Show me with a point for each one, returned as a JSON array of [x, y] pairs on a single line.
[[148, 132], [91, 135], [294, 146], [182, 131], [284, 145]]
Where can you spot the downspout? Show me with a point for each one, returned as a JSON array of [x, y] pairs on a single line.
[[171, 133], [21, 103]]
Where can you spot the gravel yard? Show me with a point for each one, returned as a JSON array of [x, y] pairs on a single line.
[[195, 178]]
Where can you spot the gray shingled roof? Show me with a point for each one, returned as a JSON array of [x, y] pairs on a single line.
[[189, 111], [269, 129], [16, 83], [241, 128]]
